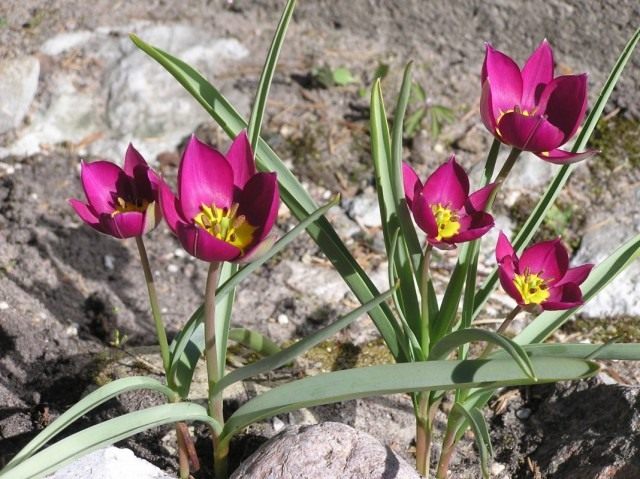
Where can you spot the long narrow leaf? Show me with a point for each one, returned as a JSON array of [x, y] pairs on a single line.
[[483, 440], [257, 113], [396, 378], [86, 404], [538, 214], [289, 354], [292, 192], [254, 341], [104, 434], [612, 351], [453, 340]]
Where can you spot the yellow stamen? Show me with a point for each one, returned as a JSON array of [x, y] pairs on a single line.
[[124, 206], [225, 225], [447, 221], [532, 288]]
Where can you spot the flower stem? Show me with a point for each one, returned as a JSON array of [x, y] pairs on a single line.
[[503, 327], [448, 448], [425, 282], [424, 428], [215, 400], [508, 165], [155, 309]]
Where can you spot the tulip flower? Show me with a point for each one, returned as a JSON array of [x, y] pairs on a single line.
[[529, 109], [541, 276], [121, 202], [443, 208], [224, 210]]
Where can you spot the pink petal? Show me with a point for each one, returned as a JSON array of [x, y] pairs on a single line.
[[137, 168], [504, 79], [563, 297], [504, 248], [529, 133], [486, 108], [86, 215], [478, 200], [472, 227], [125, 225], [565, 103], [411, 182], [448, 185], [170, 207], [562, 157], [576, 275], [423, 216], [240, 157], [259, 202], [199, 243], [506, 273], [204, 178], [100, 181], [549, 259], [537, 72]]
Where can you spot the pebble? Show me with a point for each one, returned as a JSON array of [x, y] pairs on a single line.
[[523, 413], [283, 319], [109, 262], [173, 268], [4, 305]]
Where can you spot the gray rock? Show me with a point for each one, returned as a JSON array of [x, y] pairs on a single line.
[[364, 210], [110, 463], [19, 80], [325, 450]]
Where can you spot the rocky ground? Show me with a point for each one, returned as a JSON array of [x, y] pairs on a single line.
[[74, 87]]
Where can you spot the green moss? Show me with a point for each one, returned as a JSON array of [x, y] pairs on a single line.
[[602, 330], [335, 356], [618, 140]]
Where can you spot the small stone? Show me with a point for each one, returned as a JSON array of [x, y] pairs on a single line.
[[19, 80], [109, 262], [173, 268], [523, 413], [278, 424], [179, 253], [4, 305], [497, 468], [283, 319], [71, 330]]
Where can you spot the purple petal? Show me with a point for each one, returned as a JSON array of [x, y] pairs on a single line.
[[504, 248], [448, 185], [478, 200], [423, 216], [472, 227], [259, 202], [563, 297], [537, 72], [240, 157], [137, 168], [566, 102], [100, 181], [199, 243], [576, 275], [504, 79], [411, 182], [549, 259], [562, 157], [170, 207], [529, 133], [506, 273], [87, 215], [125, 225], [486, 108], [204, 178]]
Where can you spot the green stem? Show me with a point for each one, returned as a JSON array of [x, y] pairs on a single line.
[[155, 309], [425, 282], [211, 358], [504, 171], [448, 448], [503, 327]]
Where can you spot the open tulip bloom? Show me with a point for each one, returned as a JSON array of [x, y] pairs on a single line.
[[224, 209], [120, 201], [529, 109], [541, 275], [443, 208]]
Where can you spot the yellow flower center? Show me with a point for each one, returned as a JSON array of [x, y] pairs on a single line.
[[447, 221], [226, 224], [124, 206], [531, 287]]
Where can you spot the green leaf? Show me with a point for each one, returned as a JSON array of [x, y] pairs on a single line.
[[104, 434], [289, 354], [259, 105], [611, 351], [397, 378], [538, 214], [291, 191], [453, 340], [549, 321], [483, 440], [188, 346], [254, 341], [342, 76], [224, 308], [86, 404]]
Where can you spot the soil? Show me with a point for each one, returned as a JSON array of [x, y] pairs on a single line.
[[65, 291]]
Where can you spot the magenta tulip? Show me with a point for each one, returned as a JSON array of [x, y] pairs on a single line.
[[443, 208], [529, 109], [541, 277], [224, 210], [120, 202]]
